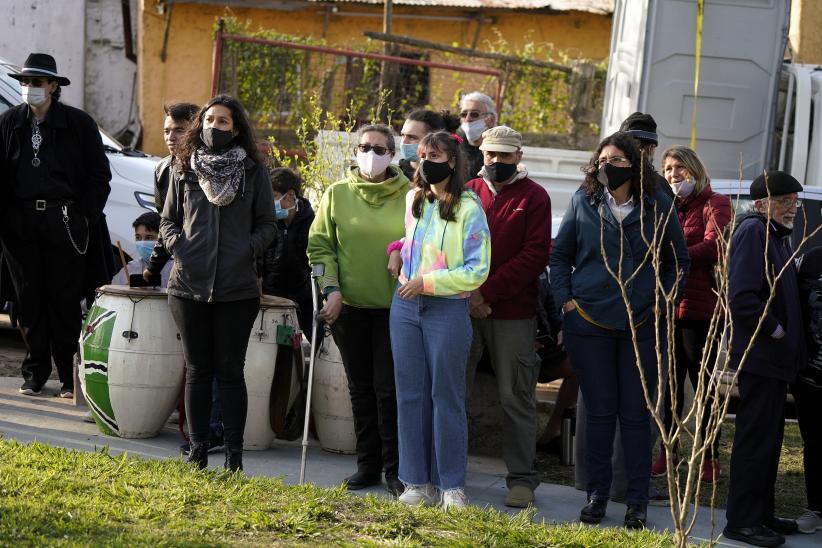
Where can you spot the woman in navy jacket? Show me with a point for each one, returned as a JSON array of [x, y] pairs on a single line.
[[618, 210]]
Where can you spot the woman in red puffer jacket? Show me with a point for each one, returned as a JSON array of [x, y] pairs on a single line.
[[703, 214]]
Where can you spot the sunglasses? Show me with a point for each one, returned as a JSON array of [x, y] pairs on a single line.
[[33, 82], [472, 114], [379, 150]]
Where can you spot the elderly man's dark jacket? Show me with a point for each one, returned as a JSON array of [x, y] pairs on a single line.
[[748, 292], [78, 148]]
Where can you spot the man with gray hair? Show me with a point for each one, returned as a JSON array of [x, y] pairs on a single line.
[[477, 113], [761, 246]]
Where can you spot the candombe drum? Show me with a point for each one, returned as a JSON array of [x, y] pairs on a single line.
[[331, 402], [275, 330], [131, 361]]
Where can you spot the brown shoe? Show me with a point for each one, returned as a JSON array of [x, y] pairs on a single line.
[[519, 496]]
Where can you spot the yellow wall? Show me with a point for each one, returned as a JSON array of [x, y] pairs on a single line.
[[805, 38], [186, 73]]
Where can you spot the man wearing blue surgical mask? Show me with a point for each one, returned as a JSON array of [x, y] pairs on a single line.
[[418, 124], [284, 266], [146, 230]]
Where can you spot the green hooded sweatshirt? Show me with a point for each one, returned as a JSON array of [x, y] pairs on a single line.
[[355, 223]]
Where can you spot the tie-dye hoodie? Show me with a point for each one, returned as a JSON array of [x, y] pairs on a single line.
[[453, 257]]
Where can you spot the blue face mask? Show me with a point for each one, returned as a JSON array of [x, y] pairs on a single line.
[[144, 249], [279, 212], [409, 152]]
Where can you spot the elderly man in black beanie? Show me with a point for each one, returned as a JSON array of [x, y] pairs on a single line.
[[776, 356], [642, 127]]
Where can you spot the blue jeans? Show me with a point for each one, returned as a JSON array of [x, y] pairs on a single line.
[[430, 341], [605, 364]]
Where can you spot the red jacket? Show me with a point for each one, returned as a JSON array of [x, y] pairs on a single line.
[[519, 217], [703, 217]]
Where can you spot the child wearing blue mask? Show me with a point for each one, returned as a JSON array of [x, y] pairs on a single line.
[[284, 265], [146, 230]]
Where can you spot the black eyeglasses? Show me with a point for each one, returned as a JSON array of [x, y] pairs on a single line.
[[379, 150], [33, 82]]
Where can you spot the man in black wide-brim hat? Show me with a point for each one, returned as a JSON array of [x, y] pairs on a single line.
[[54, 182]]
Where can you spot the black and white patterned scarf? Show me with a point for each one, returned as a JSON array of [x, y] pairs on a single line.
[[220, 174]]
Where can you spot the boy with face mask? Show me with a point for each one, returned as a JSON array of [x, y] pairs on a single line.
[[284, 270], [146, 230]]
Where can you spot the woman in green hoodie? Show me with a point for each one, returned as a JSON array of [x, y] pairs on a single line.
[[358, 217]]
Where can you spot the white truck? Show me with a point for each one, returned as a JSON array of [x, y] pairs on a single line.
[[754, 110]]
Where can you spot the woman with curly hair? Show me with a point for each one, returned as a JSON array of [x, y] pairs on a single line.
[[618, 215]]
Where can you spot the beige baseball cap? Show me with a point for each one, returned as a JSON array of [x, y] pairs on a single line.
[[501, 139]]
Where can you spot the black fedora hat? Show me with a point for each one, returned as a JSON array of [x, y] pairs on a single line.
[[40, 64]]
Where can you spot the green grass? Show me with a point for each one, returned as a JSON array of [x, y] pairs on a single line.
[[790, 481], [51, 496]]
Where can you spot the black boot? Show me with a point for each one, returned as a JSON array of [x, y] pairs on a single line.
[[233, 459], [198, 455], [636, 516], [594, 511]]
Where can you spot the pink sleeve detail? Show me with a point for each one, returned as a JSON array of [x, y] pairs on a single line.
[[393, 246]]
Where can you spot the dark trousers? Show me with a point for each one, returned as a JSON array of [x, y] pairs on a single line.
[[605, 364], [760, 425], [362, 335], [690, 336], [47, 273], [215, 339], [809, 410]]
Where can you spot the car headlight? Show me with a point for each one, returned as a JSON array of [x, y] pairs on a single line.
[[145, 200]]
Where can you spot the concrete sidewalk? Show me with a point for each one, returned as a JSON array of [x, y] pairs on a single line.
[[57, 422]]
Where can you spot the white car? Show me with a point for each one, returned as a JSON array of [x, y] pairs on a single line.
[[132, 172]]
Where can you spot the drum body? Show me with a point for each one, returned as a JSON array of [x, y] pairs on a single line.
[[131, 361], [261, 360], [331, 401]]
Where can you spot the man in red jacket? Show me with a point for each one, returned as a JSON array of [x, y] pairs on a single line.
[[504, 307]]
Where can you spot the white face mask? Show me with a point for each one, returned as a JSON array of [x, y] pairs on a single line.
[[683, 188], [372, 165], [473, 130], [33, 96]]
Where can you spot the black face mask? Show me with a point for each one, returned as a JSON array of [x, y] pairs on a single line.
[[499, 172], [613, 177], [216, 139], [435, 172]]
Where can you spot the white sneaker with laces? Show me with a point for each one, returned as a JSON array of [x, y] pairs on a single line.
[[415, 495], [809, 522], [454, 498]]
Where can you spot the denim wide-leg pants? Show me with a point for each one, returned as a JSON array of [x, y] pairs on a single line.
[[430, 341]]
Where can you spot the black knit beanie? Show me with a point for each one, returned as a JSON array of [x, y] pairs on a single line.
[[640, 126]]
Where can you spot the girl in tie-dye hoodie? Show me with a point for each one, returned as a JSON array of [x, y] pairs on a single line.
[[446, 254]]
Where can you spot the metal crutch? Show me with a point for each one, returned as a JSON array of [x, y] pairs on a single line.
[[317, 271]]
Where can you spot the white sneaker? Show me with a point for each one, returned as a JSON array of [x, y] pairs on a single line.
[[415, 495], [454, 498], [809, 522]]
